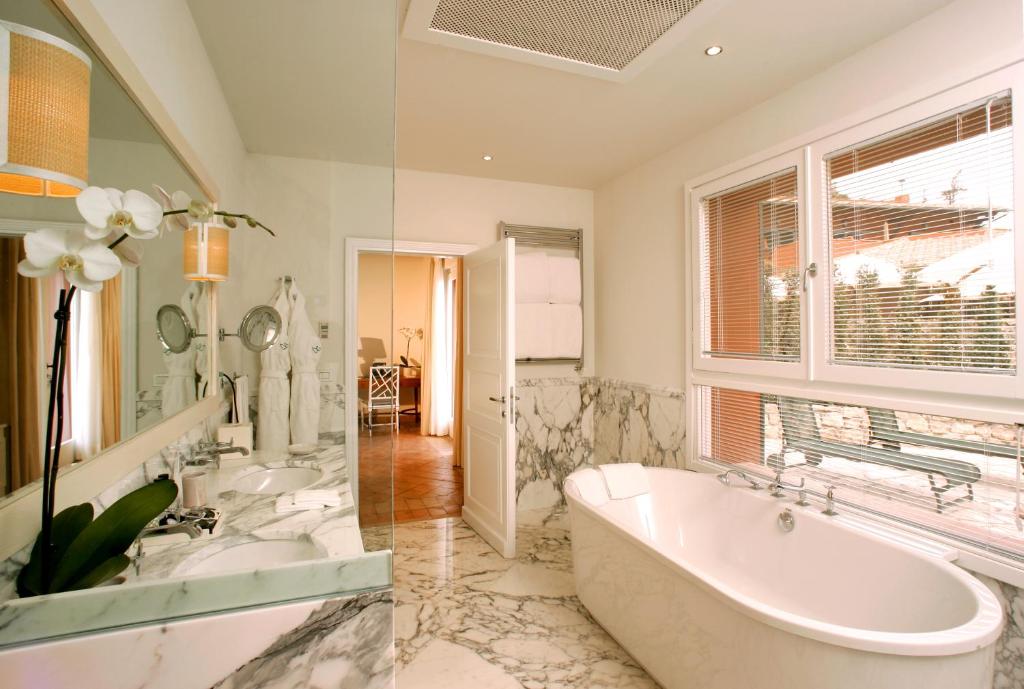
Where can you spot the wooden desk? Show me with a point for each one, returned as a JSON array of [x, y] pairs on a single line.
[[404, 382]]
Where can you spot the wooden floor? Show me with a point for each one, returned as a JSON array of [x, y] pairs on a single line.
[[426, 485]]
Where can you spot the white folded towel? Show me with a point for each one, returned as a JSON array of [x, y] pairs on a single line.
[[302, 500], [565, 286], [566, 330], [532, 282], [589, 483], [625, 480], [533, 331]]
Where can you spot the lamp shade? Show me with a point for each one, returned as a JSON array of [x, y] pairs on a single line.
[[206, 252], [44, 113]]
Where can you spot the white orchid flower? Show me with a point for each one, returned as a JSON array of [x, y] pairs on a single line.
[[86, 262], [132, 212]]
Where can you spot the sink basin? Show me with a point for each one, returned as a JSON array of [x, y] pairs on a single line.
[[274, 480], [257, 555]]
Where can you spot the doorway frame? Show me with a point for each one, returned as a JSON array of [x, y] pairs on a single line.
[[353, 247]]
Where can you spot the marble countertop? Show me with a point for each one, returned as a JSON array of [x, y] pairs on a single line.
[[162, 590], [246, 517]]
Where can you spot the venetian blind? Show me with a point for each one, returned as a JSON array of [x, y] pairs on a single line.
[[953, 476], [920, 238], [750, 270]]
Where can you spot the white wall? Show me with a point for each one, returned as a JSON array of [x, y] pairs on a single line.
[[163, 42], [640, 215], [438, 207]]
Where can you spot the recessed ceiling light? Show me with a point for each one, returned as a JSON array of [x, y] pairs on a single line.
[[713, 50], [488, 156]]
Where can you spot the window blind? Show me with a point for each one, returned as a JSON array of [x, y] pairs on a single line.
[[957, 477], [920, 239], [750, 269]]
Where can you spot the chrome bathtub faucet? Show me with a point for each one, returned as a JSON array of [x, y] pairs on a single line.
[[830, 502], [724, 479], [779, 487]]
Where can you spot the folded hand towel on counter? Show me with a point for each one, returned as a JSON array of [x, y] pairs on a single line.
[[625, 480], [590, 485], [533, 331], [532, 284], [565, 284], [566, 330], [307, 500]]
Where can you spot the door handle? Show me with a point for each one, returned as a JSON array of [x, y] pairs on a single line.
[[499, 400]]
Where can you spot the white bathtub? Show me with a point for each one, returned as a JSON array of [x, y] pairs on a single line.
[[701, 586]]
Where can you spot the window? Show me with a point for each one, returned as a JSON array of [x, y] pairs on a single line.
[[952, 476], [855, 317], [920, 239], [750, 291]]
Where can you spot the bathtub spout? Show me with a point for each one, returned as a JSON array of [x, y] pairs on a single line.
[[724, 479]]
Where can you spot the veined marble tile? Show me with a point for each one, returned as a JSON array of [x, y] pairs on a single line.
[[1010, 647], [324, 644], [639, 423], [554, 428], [466, 617]]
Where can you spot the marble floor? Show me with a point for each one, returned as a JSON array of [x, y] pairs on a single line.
[[466, 618]]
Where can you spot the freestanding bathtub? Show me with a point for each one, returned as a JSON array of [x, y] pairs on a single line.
[[701, 585]]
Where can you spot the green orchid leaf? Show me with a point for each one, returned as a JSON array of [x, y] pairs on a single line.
[[67, 525], [112, 532], [106, 570]]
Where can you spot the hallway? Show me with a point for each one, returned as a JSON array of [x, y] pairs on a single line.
[[426, 485]]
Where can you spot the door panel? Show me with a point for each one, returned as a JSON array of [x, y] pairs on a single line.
[[488, 395]]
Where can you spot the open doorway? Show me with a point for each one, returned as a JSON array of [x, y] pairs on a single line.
[[407, 364]]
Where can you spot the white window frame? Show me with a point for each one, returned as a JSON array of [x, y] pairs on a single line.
[[925, 392], [996, 385], [749, 175]]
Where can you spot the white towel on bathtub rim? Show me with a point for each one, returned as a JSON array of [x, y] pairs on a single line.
[[532, 278], [625, 480], [533, 331], [590, 485], [565, 286], [566, 330]]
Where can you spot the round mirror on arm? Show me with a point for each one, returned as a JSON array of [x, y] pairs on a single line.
[[260, 328], [173, 328]]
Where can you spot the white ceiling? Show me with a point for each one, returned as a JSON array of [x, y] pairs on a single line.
[[317, 82]]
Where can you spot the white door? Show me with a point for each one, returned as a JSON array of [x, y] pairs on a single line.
[[488, 396]]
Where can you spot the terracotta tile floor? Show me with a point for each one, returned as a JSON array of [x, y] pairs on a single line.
[[426, 485]]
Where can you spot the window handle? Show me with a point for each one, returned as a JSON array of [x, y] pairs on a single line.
[[810, 271]]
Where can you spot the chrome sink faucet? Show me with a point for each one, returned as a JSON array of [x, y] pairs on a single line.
[[724, 478], [206, 453]]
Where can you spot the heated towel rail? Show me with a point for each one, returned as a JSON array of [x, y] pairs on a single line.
[[558, 238]]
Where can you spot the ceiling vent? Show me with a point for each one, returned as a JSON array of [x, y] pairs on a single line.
[[611, 39]]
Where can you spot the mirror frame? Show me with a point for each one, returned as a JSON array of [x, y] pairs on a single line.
[[20, 511]]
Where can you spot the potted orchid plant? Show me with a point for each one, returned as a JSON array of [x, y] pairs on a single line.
[[73, 551]]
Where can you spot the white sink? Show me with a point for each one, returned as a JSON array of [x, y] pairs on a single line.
[[275, 480], [257, 555]]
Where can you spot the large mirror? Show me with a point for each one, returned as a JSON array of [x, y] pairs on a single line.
[[117, 368]]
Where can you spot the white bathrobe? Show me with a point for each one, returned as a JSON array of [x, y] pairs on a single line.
[[305, 354], [202, 344], [179, 390], [272, 421]]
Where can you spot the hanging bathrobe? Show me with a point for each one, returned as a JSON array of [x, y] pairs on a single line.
[[272, 419], [202, 344], [305, 354], [179, 389]]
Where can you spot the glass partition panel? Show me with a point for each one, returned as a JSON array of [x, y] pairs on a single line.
[[286, 493]]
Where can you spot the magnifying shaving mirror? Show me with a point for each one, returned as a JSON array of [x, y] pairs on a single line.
[[173, 328], [259, 329]]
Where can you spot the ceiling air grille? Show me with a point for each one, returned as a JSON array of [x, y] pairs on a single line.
[[604, 33]]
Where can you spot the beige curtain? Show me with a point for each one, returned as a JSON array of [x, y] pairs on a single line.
[[427, 375], [85, 351], [110, 362], [20, 368], [457, 366]]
